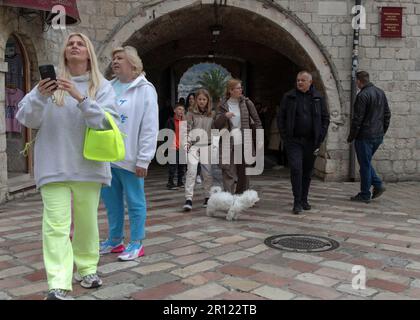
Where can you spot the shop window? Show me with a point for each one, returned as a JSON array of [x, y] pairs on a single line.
[[15, 91]]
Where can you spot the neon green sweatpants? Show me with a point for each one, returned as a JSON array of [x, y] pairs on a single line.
[[59, 252]]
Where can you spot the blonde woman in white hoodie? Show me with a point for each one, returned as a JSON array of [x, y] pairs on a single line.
[[138, 107]]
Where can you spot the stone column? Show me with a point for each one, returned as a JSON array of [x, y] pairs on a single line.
[[3, 156]]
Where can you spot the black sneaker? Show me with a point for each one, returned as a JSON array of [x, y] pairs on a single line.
[[297, 208], [205, 202], [306, 206], [377, 192], [58, 294], [188, 205], [358, 197], [180, 185], [171, 186]]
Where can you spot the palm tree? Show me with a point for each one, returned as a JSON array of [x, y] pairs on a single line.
[[215, 83]]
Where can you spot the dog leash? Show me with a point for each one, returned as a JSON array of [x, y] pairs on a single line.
[[210, 173]]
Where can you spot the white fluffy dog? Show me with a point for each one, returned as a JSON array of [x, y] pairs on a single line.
[[232, 204]]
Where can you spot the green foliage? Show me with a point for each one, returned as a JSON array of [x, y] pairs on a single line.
[[214, 81]]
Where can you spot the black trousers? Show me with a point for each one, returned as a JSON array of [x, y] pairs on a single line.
[[282, 155], [300, 152], [178, 169]]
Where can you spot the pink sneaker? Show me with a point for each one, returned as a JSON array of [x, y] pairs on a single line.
[[133, 251], [108, 246]]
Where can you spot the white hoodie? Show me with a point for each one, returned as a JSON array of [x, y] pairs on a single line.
[[59, 141], [139, 112]]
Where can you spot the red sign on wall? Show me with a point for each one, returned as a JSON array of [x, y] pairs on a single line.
[[391, 22], [47, 5]]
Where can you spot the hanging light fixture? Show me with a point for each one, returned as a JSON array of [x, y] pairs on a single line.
[[216, 30]]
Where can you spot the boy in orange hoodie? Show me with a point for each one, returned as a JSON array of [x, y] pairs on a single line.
[[174, 123]]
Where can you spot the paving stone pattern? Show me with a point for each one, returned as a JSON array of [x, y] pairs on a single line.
[[192, 256]]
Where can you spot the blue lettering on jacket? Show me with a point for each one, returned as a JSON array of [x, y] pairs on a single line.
[[123, 118]]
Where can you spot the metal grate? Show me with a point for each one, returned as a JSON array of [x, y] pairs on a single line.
[[301, 243]]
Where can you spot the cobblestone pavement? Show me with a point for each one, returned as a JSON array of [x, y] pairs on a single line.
[[192, 256]]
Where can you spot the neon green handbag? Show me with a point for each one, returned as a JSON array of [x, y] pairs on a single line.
[[104, 145]]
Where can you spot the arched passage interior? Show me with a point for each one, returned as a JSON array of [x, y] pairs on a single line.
[[258, 42], [249, 46]]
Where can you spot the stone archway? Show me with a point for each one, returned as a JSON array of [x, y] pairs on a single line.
[[153, 29]]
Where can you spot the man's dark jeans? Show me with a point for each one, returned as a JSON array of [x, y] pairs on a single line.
[[300, 152], [365, 149]]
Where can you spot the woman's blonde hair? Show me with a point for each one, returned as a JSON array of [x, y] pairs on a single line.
[[133, 58], [231, 84], [95, 77], [205, 93]]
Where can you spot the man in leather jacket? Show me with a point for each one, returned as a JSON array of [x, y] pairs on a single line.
[[303, 121], [369, 124]]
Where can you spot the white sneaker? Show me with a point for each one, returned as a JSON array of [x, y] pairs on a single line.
[[58, 294], [77, 277], [198, 180], [132, 252], [91, 281]]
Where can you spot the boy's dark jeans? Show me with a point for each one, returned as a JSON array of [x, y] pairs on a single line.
[[365, 149], [176, 168]]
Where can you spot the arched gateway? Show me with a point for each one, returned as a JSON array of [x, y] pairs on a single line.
[[257, 41]]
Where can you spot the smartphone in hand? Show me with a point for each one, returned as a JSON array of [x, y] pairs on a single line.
[[48, 71]]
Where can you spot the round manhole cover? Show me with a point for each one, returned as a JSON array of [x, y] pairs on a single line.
[[301, 243]]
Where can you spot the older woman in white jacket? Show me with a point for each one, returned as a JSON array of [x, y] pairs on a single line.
[[138, 106]]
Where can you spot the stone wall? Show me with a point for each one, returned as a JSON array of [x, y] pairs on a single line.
[[394, 65], [41, 47], [3, 157]]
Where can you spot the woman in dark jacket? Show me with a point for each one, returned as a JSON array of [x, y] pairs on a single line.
[[236, 114]]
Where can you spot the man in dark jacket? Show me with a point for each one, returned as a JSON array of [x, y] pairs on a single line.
[[368, 127], [303, 121]]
